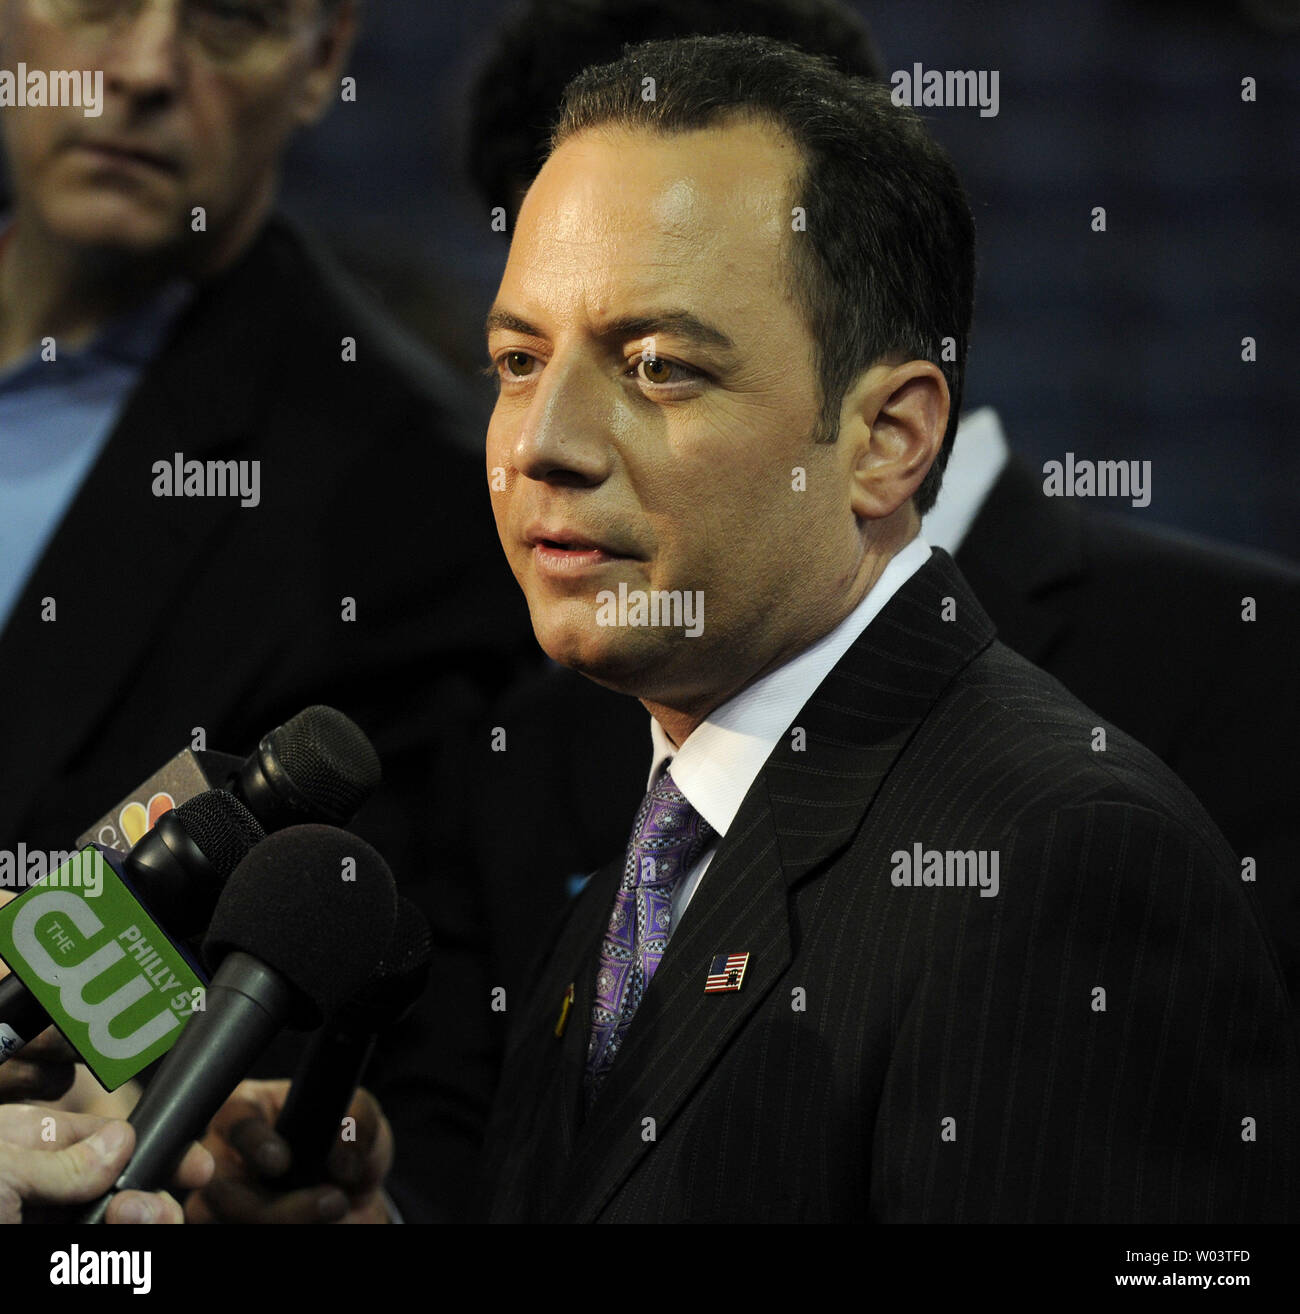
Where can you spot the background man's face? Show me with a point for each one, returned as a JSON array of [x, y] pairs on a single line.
[[680, 467], [200, 98]]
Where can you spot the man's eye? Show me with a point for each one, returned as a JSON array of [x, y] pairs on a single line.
[[234, 11], [232, 26], [657, 371], [519, 364]]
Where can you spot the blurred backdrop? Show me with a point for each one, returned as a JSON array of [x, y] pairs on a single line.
[[1125, 344]]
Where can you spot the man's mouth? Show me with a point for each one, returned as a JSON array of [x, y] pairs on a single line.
[[120, 155], [558, 551]]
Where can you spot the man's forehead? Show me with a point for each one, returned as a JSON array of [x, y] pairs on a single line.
[[727, 181], [620, 218]]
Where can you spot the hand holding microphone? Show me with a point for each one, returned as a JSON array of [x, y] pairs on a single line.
[[330, 1149], [301, 924], [45, 1070], [50, 1158], [252, 1159]]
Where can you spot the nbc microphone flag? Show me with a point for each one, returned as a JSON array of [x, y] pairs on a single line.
[[726, 973]]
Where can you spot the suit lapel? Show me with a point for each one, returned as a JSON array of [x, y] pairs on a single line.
[[537, 1113], [679, 1030], [586, 933], [802, 811]]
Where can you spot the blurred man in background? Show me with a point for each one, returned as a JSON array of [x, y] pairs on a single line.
[[154, 309]]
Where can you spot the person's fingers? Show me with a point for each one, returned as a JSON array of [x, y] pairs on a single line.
[[251, 1099], [51, 1046], [195, 1169], [143, 1207], [228, 1201], [197, 1211], [30, 1127], [260, 1146], [241, 1137], [78, 1173], [362, 1164], [25, 1079]]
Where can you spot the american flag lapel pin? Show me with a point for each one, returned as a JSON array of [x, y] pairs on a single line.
[[726, 972]]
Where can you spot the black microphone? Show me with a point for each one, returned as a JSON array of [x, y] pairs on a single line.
[[176, 869], [318, 766], [301, 925], [335, 1059]]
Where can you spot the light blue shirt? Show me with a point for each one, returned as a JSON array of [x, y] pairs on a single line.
[[55, 418]]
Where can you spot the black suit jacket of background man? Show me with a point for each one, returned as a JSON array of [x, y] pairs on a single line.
[[928, 1054], [175, 613], [1141, 624]]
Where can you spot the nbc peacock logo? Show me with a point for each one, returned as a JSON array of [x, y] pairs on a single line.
[[136, 819]]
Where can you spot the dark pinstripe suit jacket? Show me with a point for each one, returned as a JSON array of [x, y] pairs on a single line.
[[928, 1054]]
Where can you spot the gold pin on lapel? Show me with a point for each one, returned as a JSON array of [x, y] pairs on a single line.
[[564, 1011]]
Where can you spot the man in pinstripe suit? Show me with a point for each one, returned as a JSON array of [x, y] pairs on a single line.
[[931, 942]]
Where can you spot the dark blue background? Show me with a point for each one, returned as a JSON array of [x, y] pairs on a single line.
[[1119, 345]]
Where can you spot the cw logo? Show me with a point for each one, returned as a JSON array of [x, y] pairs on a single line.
[[136, 818], [72, 980]]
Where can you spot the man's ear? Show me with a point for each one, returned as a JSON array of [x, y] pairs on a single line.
[[331, 46], [893, 421]]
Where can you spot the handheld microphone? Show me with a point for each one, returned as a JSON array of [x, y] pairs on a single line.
[[301, 925], [176, 872], [317, 766], [335, 1058]]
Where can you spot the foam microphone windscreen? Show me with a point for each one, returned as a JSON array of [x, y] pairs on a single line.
[[315, 904], [222, 828], [329, 759]]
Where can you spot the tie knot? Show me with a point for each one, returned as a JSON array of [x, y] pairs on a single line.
[[669, 837]]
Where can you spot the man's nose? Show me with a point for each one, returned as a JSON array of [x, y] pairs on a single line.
[[567, 434], [142, 56]]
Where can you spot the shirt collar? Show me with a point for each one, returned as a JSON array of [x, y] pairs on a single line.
[[979, 452], [131, 338], [723, 755], [134, 337]]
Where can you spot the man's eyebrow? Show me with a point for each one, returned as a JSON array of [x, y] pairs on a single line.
[[678, 323], [503, 319]]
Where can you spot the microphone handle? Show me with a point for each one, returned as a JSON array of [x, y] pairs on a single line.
[[245, 1005], [21, 1017], [323, 1086]]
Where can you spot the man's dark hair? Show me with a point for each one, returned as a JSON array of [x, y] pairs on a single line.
[[541, 44], [886, 267]]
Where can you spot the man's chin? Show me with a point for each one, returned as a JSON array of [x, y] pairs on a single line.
[[116, 224], [617, 659]]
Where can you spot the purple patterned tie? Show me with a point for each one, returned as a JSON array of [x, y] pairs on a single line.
[[668, 837]]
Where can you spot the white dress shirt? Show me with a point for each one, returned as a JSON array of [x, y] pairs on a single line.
[[979, 451], [723, 755]]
